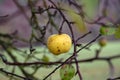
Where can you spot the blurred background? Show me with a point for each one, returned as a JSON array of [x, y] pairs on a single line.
[[19, 14], [15, 16]]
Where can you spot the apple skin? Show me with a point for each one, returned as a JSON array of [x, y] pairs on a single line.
[[59, 43]]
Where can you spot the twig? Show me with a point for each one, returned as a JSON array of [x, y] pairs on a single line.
[[111, 68], [4, 16], [58, 62], [9, 73], [83, 36], [60, 29], [78, 69], [89, 43], [117, 78]]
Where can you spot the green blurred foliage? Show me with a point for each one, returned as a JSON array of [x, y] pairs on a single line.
[[67, 72], [117, 33], [45, 58], [75, 18], [90, 7], [107, 30]]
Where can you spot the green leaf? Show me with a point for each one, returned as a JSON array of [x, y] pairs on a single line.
[[67, 72], [117, 33], [90, 7], [76, 18], [45, 58], [107, 30]]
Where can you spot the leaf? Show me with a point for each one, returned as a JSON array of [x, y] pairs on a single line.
[[67, 72], [107, 30], [90, 7], [76, 18], [45, 58], [117, 33]]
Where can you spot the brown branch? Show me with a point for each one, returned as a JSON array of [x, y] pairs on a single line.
[[83, 36], [111, 66], [117, 78], [58, 62], [89, 43], [78, 69], [10, 73], [4, 16]]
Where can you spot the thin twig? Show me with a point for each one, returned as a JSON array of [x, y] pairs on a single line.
[[112, 70], [78, 69], [58, 62], [9, 73], [83, 36], [117, 78]]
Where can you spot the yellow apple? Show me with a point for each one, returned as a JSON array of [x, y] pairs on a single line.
[[59, 43]]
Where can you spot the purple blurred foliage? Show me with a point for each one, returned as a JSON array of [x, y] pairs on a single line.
[[18, 20]]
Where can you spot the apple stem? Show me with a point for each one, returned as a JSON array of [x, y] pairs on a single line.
[[61, 26]]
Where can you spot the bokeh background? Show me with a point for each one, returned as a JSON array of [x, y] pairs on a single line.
[[19, 14], [16, 22]]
